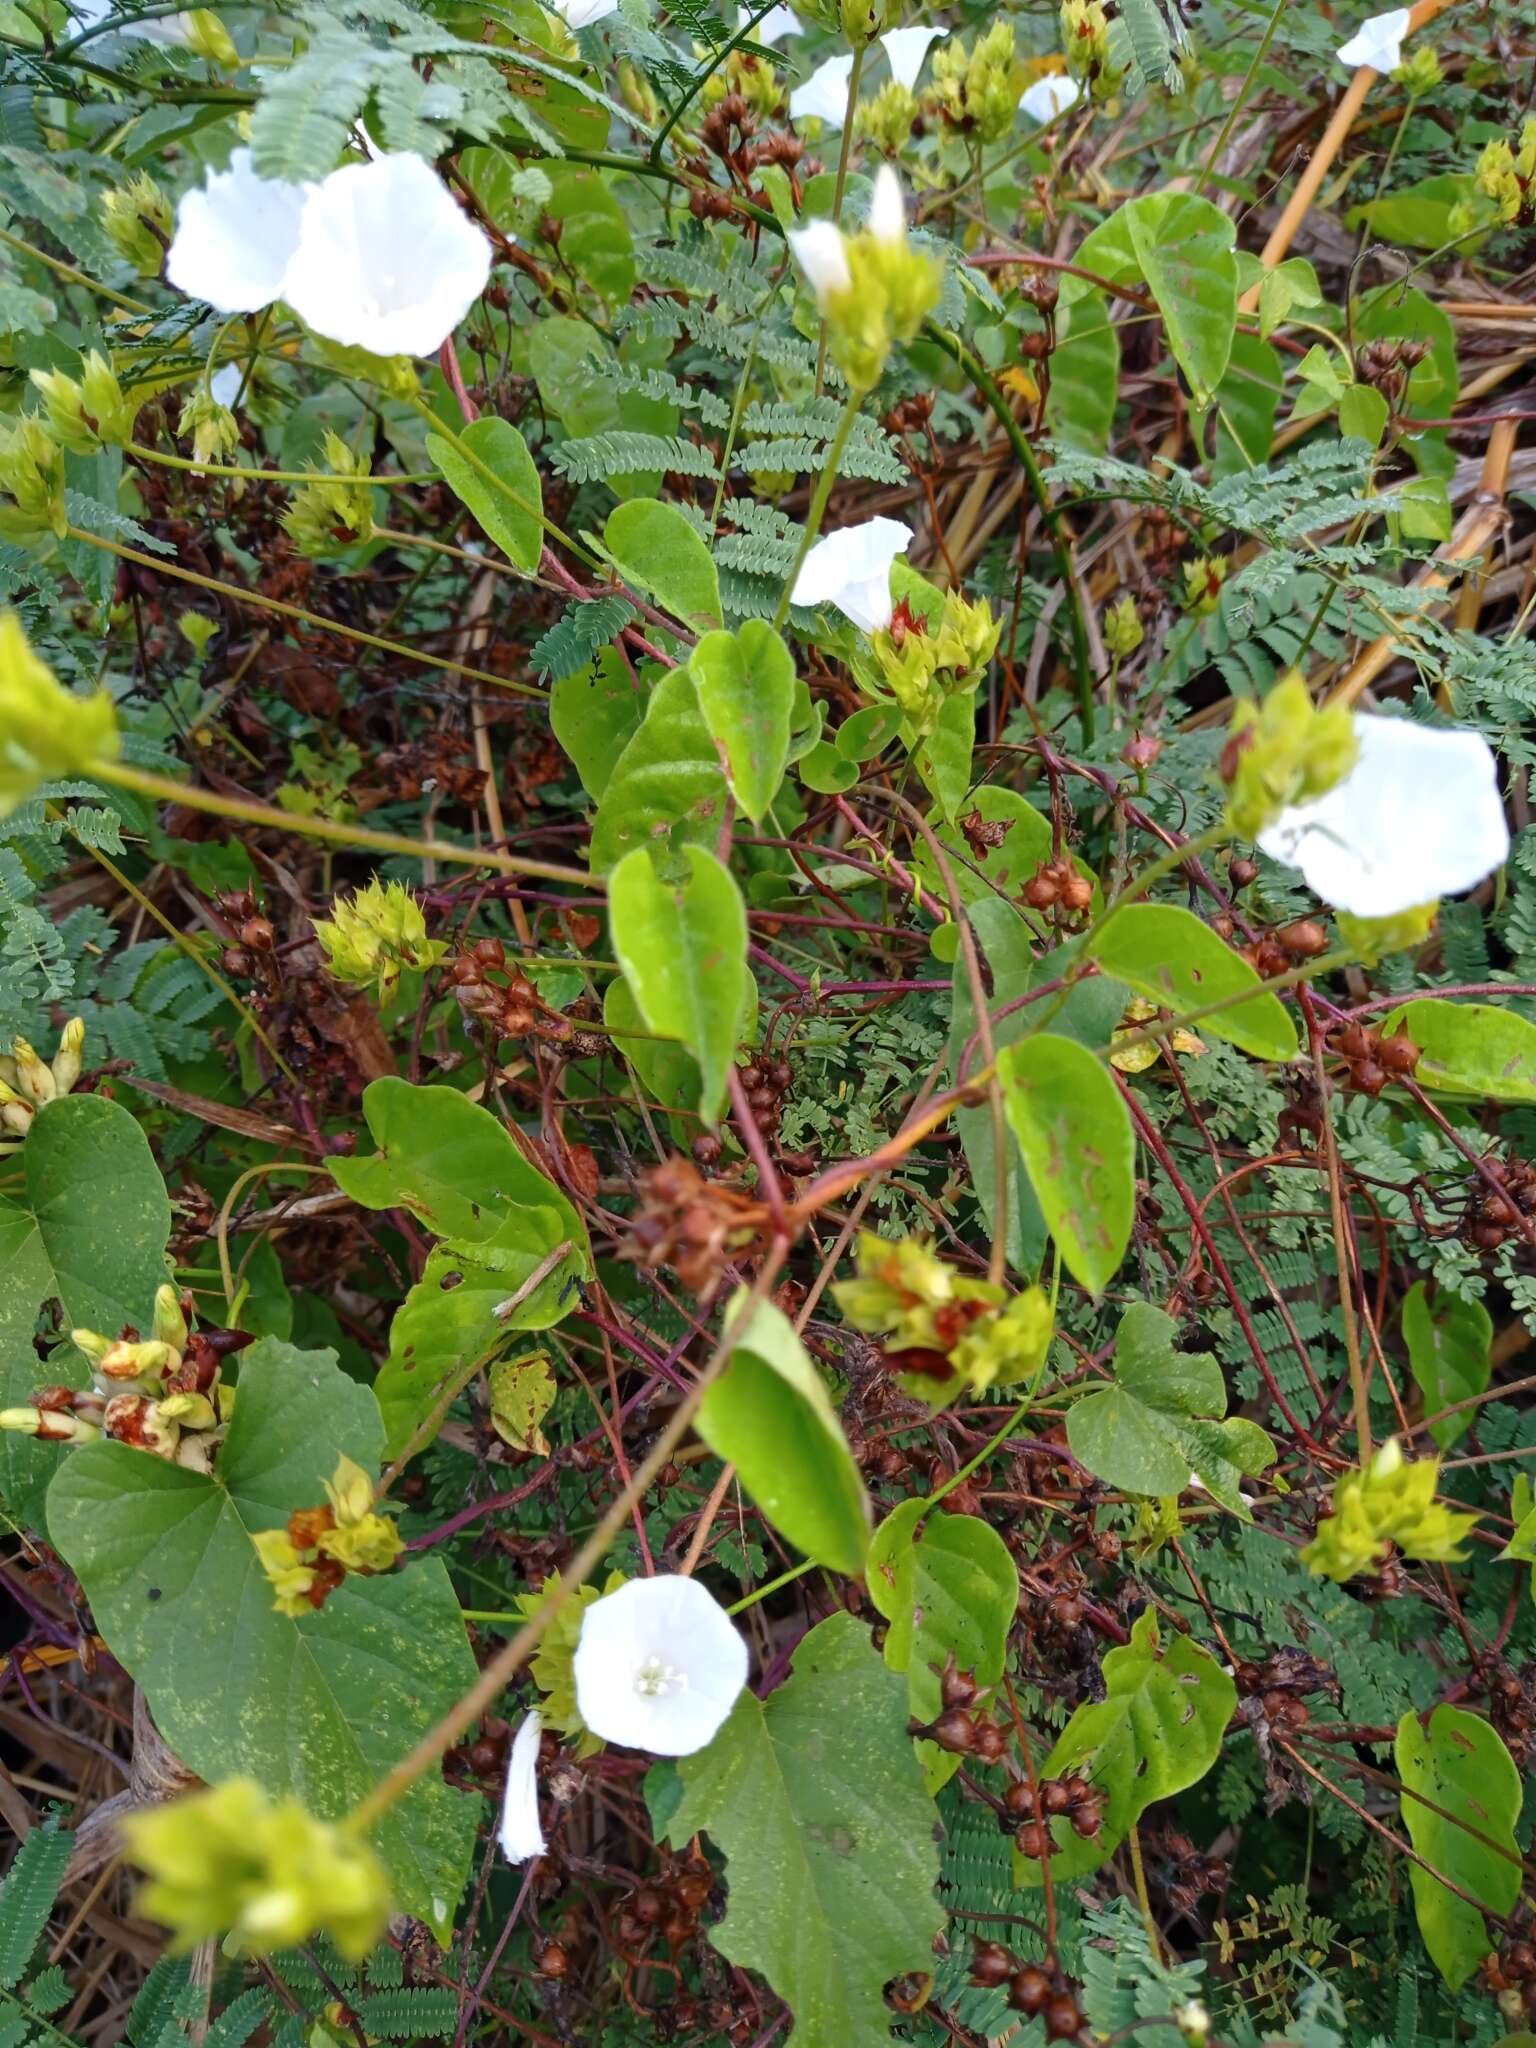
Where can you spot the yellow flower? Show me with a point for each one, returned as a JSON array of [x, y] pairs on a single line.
[[291, 1579]]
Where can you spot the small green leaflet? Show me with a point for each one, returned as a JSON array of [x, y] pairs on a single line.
[[1157, 1430], [1074, 1134], [1459, 1764], [816, 1800], [683, 948], [949, 1589], [659, 552]]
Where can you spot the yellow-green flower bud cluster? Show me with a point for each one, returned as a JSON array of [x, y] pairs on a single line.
[[374, 934], [860, 21], [1085, 38], [45, 732], [212, 428], [1420, 71], [1388, 1501], [232, 1860], [1123, 630], [32, 477], [139, 223], [977, 90], [332, 512], [873, 288], [27, 1081], [751, 78], [887, 118], [1284, 751], [943, 1332], [87, 412], [307, 1559], [1506, 174], [922, 665], [159, 1393]]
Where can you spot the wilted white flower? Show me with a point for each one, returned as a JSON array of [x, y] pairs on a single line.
[[1378, 42], [824, 93], [224, 385], [775, 25], [821, 250], [385, 260], [851, 569], [658, 1666], [906, 49], [1193, 2021], [235, 236], [1418, 817], [520, 1835], [822, 254], [582, 13], [1050, 96]]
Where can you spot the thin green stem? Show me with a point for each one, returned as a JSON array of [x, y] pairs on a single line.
[[796, 1571], [269, 476], [844, 152], [119, 775], [296, 611], [1050, 512], [71, 275], [1240, 99], [818, 509]]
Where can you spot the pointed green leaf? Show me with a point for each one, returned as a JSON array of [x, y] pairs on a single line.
[[658, 550], [1157, 1730], [746, 686], [1182, 247], [1169, 956], [595, 713], [1449, 1342], [771, 1417], [815, 1798], [1470, 1048], [321, 1706], [667, 784], [1459, 1764], [509, 509], [1074, 1134], [950, 1589], [88, 1229], [683, 948]]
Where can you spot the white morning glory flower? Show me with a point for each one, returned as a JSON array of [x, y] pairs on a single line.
[[1050, 96], [1378, 42], [386, 261], [851, 569], [775, 25], [906, 49], [1418, 817], [235, 237], [887, 217], [824, 93], [224, 385], [658, 1666], [520, 1835], [582, 13]]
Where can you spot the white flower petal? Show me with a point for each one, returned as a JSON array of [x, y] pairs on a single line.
[[582, 13], [1378, 42], [1418, 817], [775, 25], [824, 93], [235, 237], [906, 49], [1050, 96], [822, 254], [658, 1666], [520, 1835], [887, 209], [851, 569], [386, 261], [224, 385]]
